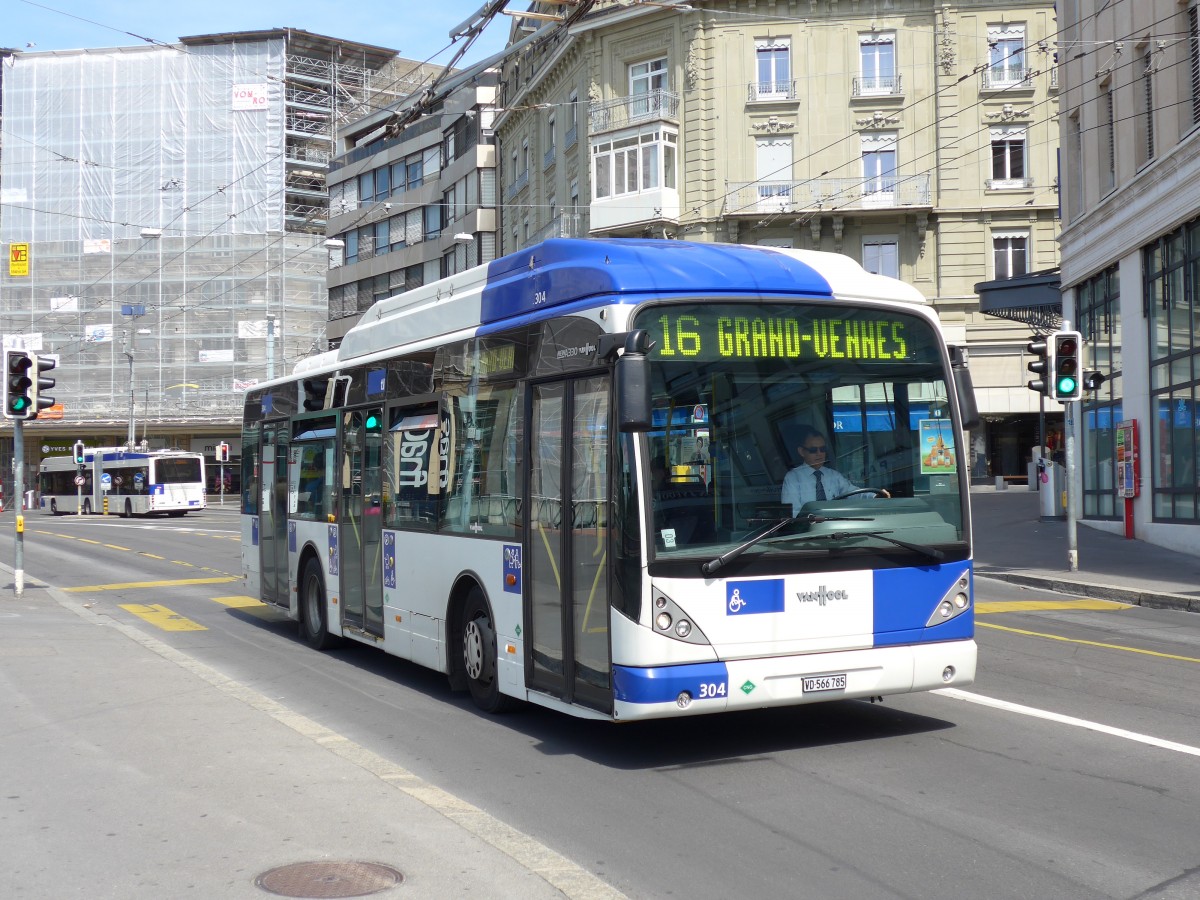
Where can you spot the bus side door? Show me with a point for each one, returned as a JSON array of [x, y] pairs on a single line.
[[273, 544]]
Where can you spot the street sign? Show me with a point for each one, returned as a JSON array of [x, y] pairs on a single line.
[[79, 479]]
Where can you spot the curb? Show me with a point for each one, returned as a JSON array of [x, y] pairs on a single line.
[[1149, 599]]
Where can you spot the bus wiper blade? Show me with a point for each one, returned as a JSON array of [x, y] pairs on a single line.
[[713, 565], [932, 552]]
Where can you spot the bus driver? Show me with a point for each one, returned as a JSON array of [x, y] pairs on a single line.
[[812, 479]]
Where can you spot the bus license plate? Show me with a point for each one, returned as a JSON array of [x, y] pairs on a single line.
[[823, 683]]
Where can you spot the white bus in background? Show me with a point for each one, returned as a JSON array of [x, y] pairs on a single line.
[[136, 482]]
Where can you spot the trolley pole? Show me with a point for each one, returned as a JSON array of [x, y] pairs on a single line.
[[19, 500]]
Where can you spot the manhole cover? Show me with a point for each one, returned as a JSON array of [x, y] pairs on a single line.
[[329, 879]]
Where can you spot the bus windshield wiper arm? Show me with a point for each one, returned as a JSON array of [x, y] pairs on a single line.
[[809, 518], [932, 552]]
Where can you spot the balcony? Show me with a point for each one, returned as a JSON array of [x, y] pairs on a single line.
[[623, 112], [770, 90], [753, 198], [566, 225], [876, 86], [518, 184], [1012, 78]]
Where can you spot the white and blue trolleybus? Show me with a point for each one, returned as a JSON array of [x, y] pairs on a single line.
[[558, 478], [135, 481]]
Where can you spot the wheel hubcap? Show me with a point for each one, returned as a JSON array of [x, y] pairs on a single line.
[[477, 639]]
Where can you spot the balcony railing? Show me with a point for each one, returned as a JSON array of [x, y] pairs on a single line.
[[876, 86], [771, 90], [518, 184], [566, 225], [1008, 184], [621, 112], [997, 78], [890, 192], [548, 158]]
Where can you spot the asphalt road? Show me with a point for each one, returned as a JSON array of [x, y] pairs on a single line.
[[1069, 770]]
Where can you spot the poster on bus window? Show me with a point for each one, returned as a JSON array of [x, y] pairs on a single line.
[[938, 455]]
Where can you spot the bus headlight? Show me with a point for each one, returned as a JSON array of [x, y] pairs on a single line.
[[670, 620], [663, 621], [683, 628], [954, 602]]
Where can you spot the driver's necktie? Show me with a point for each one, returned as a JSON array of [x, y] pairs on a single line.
[[820, 487]]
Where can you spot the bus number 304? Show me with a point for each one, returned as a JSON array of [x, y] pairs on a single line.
[[709, 690]]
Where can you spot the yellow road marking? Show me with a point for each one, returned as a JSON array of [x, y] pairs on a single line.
[[151, 555], [180, 562], [116, 547], [1000, 606], [161, 617], [1059, 637], [131, 585], [239, 601]]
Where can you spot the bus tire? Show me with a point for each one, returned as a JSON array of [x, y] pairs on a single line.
[[54, 507], [87, 507], [480, 657], [127, 512], [313, 626], [176, 513]]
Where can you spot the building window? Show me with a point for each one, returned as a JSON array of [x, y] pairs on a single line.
[[634, 163], [1010, 251], [1145, 117], [1008, 159], [881, 256], [1006, 56], [1170, 302], [1108, 142], [1098, 309], [877, 61], [572, 134], [879, 168], [773, 173], [1194, 61], [551, 141], [1074, 170], [773, 65], [647, 83]]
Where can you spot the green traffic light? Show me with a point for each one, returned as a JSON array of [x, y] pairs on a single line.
[[1066, 385], [372, 423]]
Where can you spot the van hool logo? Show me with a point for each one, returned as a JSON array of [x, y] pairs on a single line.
[[822, 596]]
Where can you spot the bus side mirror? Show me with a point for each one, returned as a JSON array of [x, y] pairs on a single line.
[[633, 383], [964, 388]]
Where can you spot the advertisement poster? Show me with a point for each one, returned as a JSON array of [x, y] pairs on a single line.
[[938, 453]]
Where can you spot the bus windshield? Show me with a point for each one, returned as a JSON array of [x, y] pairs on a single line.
[[827, 426], [182, 470]]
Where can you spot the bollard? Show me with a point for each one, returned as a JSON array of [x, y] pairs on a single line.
[[1001, 484], [106, 504]]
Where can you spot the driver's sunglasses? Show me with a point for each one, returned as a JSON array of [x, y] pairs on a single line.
[[820, 449]]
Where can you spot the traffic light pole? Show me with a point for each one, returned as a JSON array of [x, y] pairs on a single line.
[[1072, 499], [19, 499]]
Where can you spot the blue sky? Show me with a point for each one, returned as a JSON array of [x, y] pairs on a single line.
[[418, 29]]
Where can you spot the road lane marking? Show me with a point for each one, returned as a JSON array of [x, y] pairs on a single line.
[[1059, 637], [117, 547], [161, 617], [968, 697], [151, 555], [240, 601], [251, 607], [1004, 606], [133, 585]]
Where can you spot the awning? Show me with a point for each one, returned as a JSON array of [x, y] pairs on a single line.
[[1035, 299]]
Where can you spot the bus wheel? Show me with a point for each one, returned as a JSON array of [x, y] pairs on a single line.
[[176, 513], [128, 511], [312, 608], [87, 507], [479, 655], [54, 507]]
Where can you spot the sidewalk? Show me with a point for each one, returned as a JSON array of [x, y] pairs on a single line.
[[133, 771], [1012, 543]]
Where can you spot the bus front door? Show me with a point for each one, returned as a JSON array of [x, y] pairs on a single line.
[[361, 529], [273, 543], [568, 651]]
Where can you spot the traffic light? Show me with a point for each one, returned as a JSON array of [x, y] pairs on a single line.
[[1068, 368], [20, 393], [1041, 366], [42, 383], [222, 452], [314, 393], [1093, 380], [79, 461]]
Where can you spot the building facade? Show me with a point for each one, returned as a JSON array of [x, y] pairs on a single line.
[[919, 138], [1131, 258], [411, 204], [171, 203]]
